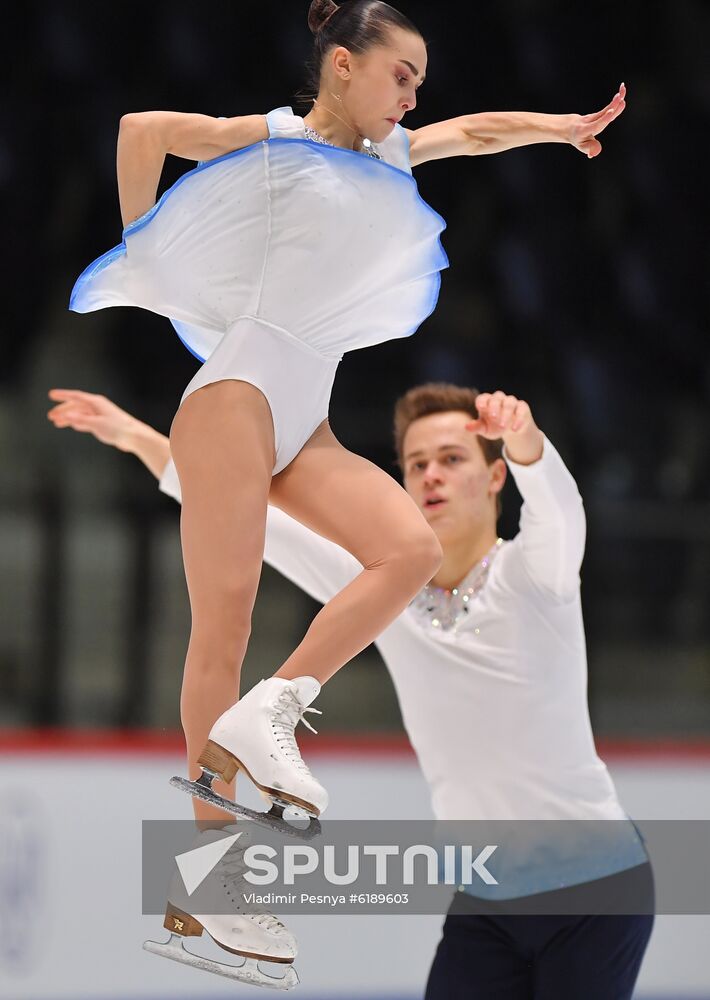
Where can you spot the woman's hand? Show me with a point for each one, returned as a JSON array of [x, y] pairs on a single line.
[[92, 414], [585, 128], [509, 418], [496, 131]]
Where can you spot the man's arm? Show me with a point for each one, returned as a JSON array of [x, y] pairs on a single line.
[[91, 413], [318, 566], [552, 520], [552, 523], [313, 563]]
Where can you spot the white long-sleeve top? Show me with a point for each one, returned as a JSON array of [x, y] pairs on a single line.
[[496, 710]]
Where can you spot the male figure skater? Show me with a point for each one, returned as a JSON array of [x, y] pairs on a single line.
[[489, 663]]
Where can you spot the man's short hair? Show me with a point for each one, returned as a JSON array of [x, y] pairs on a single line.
[[440, 397]]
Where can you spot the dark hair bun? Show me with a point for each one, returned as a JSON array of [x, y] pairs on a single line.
[[319, 13]]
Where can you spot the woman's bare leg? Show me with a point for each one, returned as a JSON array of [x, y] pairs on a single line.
[[222, 442], [352, 502]]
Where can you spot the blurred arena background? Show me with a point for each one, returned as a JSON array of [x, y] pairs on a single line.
[[579, 286]]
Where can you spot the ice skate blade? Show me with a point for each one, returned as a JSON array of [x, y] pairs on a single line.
[[216, 762], [248, 972], [272, 820]]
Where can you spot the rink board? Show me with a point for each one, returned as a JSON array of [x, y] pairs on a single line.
[[70, 921]]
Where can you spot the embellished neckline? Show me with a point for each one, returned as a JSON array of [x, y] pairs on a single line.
[[369, 148], [446, 610]]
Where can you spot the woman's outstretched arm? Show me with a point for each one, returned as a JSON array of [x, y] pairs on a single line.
[[494, 132], [145, 138]]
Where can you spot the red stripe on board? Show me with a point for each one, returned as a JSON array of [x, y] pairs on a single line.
[[85, 742], [127, 742], [691, 749]]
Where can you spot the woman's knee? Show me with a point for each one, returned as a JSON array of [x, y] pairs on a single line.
[[227, 611], [425, 553], [223, 614], [213, 660], [417, 557]]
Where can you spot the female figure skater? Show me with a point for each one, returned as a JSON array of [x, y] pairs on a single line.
[[298, 239]]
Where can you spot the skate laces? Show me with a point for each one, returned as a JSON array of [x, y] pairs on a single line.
[[286, 717], [232, 872]]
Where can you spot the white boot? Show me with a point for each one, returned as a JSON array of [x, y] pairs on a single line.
[[257, 736], [248, 931]]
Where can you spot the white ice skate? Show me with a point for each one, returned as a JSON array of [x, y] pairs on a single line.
[[257, 737], [255, 936]]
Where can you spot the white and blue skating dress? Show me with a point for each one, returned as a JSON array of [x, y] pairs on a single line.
[[274, 260]]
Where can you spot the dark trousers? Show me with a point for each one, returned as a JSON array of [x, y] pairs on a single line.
[[494, 956]]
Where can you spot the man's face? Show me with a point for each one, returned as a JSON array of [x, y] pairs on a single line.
[[446, 473]]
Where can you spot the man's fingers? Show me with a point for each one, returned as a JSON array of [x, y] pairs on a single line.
[[65, 420], [482, 401], [507, 411], [484, 428], [521, 415], [62, 394], [71, 407], [500, 414], [62, 422], [63, 407], [496, 408], [73, 417], [58, 414], [496, 404]]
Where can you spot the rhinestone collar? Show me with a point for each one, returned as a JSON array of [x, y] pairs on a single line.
[[369, 148], [446, 610]]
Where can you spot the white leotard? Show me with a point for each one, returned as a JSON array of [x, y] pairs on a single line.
[[274, 260]]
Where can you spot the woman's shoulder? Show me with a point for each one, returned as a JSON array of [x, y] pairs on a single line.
[[284, 124], [395, 149]]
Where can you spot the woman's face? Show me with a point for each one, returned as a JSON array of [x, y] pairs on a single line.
[[379, 86]]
